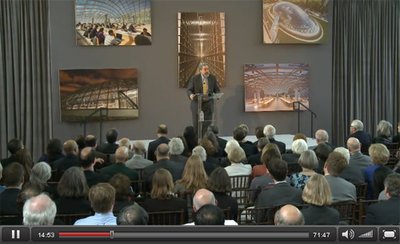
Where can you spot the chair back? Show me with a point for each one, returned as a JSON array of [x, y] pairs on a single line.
[[240, 184], [166, 218], [346, 211], [362, 209], [257, 216], [361, 190], [12, 219]]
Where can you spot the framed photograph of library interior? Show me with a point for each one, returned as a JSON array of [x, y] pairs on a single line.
[[295, 21], [98, 94], [275, 87], [113, 22]]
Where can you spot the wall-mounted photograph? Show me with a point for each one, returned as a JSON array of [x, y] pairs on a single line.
[[98, 94], [113, 22], [201, 39], [274, 87], [295, 21]]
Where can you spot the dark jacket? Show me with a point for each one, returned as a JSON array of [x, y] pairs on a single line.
[[153, 146], [384, 213], [320, 215]]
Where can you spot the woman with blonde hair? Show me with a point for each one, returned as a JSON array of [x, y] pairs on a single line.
[[194, 176], [317, 193]]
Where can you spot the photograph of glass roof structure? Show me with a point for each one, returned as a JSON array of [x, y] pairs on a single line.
[[274, 87], [201, 38], [113, 22], [295, 21], [98, 94]]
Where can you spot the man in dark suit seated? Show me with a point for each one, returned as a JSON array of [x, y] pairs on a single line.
[[121, 155], [91, 141], [110, 146], [270, 132], [163, 161], [13, 146], [356, 130], [13, 176], [162, 132], [88, 161], [71, 157], [386, 212], [280, 192], [239, 134]]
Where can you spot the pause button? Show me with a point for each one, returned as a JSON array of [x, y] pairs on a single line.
[[15, 234]]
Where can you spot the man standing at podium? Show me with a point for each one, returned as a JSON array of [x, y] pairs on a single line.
[[202, 86]]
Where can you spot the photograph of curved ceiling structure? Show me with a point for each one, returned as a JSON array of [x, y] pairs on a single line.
[[274, 87], [201, 38], [113, 22], [98, 94], [295, 21]]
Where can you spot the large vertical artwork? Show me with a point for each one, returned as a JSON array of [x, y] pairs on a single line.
[[98, 94], [295, 21], [113, 22], [201, 38], [274, 87]]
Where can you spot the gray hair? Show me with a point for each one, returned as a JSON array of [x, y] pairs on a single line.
[[203, 64], [203, 197], [357, 124], [392, 185], [269, 131], [39, 210], [231, 144], [321, 135], [384, 128], [344, 151], [133, 215], [176, 146], [299, 146], [201, 152], [308, 160], [41, 172], [139, 148]]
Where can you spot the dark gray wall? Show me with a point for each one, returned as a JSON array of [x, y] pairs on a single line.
[[160, 99]]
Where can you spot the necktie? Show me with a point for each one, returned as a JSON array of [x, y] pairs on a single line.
[[205, 86]]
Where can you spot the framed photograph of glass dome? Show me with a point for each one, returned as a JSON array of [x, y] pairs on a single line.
[[201, 39], [98, 94], [295, 21], [113, 22], [274, 87]]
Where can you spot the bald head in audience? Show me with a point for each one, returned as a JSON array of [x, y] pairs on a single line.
[[288, 215], [354, 145], [39, 210], [121, 155], [162, 152], [71, 147], [203, 197]]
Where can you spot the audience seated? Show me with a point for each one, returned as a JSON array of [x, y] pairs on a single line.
[[210, 143], [39, 210], [239, 134], [280, 192], [317, 194], [269, 132], [259, 132], [322, 136], [24, 157], [220, 185], [13, 178], [209, 215], [71, 157], [194, 177], [237, 156], [72, 192], [298, 147], [209, 165], [376, 173], [191, 139], [356, 130], [162, 132], [133, 215], [221, 142], [205, 197], [138, 160], [384, 132], [341, 189], [110, 146], [102, 198], [255, 159], [396, 138], [288, 215], [176, 149], [13, 146], [91, 141], [125, 142], [53, 152], [162, 194], [88, 162], [121, 155], [386, 212], [322, 152], [354, 172], [41, 173], [124, 195], [308, 162]]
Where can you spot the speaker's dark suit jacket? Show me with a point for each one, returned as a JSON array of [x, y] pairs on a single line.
[[384, 213]]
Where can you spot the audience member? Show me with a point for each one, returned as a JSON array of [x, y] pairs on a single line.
[[256, 158], [209, 215], [288, 215], [39, 210], [71, 157], [162, 132], [396, 138], [190, 136], [102, 198], [176, 148], [341, 189], [88, 162], [13, 146], [221, 142], [138, 160], [357, 131], [53, 152], [308, 162], [259, 132], [41, 173], [125, 142], [209, 165], [237, 157], [239, 134], [318, 195], [322, 152], [24, 157], [124, 194], [110, 146], [384, 132], [298, 147], [386, 212], [13, 178], [322, 136], [91, 141], [121, 155], [270, 132], [133, 215], [194, 177]]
